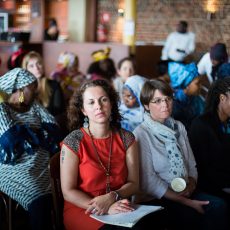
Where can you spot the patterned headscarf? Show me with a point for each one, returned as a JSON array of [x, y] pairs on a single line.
[[181, 75], [16, 79], [100, 55], [67, 60], [132, 117], [135, 84]]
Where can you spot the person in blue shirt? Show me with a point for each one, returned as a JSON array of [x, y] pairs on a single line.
[[185, 81]]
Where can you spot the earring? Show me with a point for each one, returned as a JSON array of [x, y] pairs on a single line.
[[110, 118], [86, 122], [21, 97]]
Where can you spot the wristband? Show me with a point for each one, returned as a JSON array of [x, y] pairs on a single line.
[[116, 195]]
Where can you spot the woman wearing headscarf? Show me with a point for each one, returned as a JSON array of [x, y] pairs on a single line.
[[28, 137], [68, 74], [131, 108], [185, 81], [102, 67]]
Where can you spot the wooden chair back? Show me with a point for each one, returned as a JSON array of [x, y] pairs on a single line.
[[58, 200]]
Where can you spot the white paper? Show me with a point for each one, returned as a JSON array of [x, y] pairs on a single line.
[[129, 27], [127, 219]]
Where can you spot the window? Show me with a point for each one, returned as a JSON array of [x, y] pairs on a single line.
[[3, 22]]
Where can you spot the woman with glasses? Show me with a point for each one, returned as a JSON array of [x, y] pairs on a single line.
[[168, 174]]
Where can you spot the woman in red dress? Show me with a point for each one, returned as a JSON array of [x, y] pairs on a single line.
[[99, 160]]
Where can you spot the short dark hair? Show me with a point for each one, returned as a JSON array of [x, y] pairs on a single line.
[[74, 111], [219, 52], [182, 27], [184, 24], [126, 59], [52, 22], [149, 88], [104, 68], [220, 86]]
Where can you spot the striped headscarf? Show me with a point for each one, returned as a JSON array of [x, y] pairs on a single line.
[[16, 79]]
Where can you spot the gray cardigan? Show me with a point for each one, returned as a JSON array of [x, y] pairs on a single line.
[[154, 163]]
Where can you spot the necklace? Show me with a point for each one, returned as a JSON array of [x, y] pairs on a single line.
[[106, 169]]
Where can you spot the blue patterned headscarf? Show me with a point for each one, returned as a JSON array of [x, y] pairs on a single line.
[[181, 75], [134, 84], [132, 117], [16, 79]]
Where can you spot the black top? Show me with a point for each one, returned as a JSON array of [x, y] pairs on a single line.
[[211, 148], [57, 101], [50, 38]]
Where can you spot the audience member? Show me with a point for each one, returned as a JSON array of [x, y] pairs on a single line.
[[102, 67], [99, 162], [209, 137], [68, 74], [50, 94], [28, 137], [211, 61], [126, 68], [131, 109], [185, 81], [168, 174], [224, 71], [15, 59], [179, 44], [51, 32]]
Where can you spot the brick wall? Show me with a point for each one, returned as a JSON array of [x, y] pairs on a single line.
[[157, 18]]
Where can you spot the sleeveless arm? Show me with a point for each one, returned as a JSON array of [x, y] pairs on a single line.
[[127, 138]]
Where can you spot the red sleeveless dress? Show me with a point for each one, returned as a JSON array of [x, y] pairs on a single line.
[[91, 176]]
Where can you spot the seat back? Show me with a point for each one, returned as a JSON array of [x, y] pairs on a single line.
[[58, 200]]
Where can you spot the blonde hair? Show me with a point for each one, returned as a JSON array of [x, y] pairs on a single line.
[[44, 92]]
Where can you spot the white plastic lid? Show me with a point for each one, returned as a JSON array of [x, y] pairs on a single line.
[[178, 184]]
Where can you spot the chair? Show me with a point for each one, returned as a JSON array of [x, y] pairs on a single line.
[[7, 207], [58, 201], [10, 208]]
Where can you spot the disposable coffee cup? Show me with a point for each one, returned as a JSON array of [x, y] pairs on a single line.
[[178, 184]]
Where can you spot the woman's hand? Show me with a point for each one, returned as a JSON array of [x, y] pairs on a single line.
[[120, 206], [196, 204], [177, 197], [190, 188], [100, 205]]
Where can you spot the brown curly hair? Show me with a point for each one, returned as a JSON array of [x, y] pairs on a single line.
[[74, 111]]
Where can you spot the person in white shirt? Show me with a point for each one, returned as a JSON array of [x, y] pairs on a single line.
[[179, 44], [211, 61]]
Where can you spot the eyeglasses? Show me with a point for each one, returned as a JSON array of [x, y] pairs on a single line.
[[158, 101]]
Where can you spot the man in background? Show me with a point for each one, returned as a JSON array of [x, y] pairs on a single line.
[[179, 44]]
